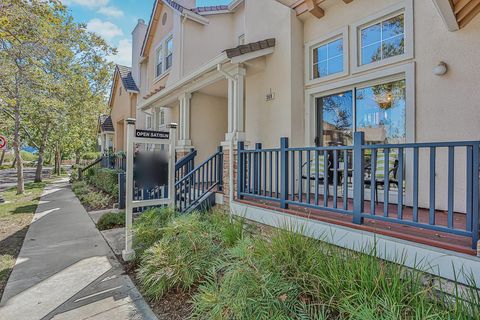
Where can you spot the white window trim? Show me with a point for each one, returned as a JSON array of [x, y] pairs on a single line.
[[311, 45], [406, 70], [405, 7], [162, 43], [170, 37]]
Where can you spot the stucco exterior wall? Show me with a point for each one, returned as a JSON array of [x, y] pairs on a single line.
[[267, 121], [120, 110], [202, 43], [208, 124]]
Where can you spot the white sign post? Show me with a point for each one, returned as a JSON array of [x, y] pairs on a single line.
[[146, 137], [3, 143]]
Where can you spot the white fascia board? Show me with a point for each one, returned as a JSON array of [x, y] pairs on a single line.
[[444, 8], [195, 17], [252, 55], [209, 66], [234, 4]]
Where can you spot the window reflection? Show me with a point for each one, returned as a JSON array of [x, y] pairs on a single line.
[[383, 40], [335, 119], [380, 112], [328, 59]]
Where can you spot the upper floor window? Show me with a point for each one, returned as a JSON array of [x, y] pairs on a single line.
[[164, 56], [327, 59], [159, 58], [383, 39], [169, 54]]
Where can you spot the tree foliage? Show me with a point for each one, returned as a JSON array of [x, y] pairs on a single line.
[[54, 77]]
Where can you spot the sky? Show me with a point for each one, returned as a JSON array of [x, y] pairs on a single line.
[[114, 20]]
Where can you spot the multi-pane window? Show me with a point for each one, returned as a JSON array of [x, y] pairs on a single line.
[[382, 40], [379, 111], [159, 66], [148, 121], [328, 59], [169, 53]]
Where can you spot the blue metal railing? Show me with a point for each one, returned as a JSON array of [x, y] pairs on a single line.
[[185, 165], [190, 189], [335, 179]]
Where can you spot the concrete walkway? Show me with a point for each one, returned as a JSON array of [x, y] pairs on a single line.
[[66, 270]]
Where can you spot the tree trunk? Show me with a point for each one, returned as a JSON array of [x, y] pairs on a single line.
[[41, 154], [2, 157], [58, 161], [16, 149], [77, 157]]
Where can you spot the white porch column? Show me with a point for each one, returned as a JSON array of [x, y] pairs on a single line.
[[184, 140], [236, 105]]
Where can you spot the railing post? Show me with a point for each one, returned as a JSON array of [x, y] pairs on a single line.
[[476, 191], [219, 168], [358, 177], [121, 190], [256, 168], [240, 170], [283, 172]]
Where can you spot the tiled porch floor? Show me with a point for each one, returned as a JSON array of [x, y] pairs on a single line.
[[415, 234]]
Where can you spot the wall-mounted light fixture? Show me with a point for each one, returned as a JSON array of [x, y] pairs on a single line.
[[440, 69]]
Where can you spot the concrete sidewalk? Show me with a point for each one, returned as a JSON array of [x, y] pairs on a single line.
[[66, 270]]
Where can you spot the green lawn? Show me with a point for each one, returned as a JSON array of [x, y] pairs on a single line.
[[15, 217]]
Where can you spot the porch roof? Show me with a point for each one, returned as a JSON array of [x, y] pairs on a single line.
[[233, 56]]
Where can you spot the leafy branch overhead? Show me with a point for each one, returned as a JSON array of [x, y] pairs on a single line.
[[54, 77]]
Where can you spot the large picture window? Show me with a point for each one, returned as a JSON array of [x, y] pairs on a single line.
[[378, 110]]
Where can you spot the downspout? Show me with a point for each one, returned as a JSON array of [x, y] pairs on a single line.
[[230, 142]]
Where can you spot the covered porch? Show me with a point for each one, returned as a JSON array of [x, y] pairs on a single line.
[[431, 199]]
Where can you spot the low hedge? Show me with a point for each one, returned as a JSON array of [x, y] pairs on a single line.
[[104, 179]]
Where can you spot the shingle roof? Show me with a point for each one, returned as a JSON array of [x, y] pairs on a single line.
[[250, 47], [127, 79], [106, 123]]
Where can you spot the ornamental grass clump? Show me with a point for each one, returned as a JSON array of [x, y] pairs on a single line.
[[148, 228], [187, 250], [290, 276]]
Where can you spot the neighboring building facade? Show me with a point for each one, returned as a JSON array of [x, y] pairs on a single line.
[[106, 134]]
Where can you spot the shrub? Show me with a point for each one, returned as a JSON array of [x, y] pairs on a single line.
[[148, 228], [94, 200], [181, 258], [230, 228], [91, 155], [79, 187], [111, 220], [104, 179]]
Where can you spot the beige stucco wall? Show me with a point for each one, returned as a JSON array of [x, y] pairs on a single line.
[[208, 124], [202, 43], [121, 109], [266, 121], [160, 35]]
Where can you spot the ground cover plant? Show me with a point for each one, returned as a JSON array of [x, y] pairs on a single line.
[[104, 179], [230, 272], [111, 220]]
